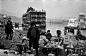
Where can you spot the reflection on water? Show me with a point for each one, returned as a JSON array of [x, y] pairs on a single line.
[[53, 27]]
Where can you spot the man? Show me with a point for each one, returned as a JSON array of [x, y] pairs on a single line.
[[9, 29], [48, 35], [79, 36], [59, 37], [59, 51], [33, 35]]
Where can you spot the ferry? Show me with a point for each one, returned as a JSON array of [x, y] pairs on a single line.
[[77, 22], [38, 16]]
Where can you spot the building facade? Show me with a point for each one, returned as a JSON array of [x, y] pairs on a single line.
[[33, 15]]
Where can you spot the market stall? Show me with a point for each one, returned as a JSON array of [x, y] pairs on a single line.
[[50, 47], [75, 40]]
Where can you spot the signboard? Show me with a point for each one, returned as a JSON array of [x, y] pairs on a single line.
[[69, 38], [66, 39]]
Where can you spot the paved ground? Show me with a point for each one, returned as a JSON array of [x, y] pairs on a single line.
[[11, 53], [16, 39]]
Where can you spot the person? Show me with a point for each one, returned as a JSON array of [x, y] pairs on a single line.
[[48, 35], [59, 37], [17, 25], [9, 29], [79, 36], [65, 31], [43, 40], [42, 32], [60, 42], [23, 46], [71, 30], [25, 43], [33, 35]]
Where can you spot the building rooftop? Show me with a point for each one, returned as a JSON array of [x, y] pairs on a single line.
[[31, 9]]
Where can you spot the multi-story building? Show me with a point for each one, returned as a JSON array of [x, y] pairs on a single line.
[[38, 16]]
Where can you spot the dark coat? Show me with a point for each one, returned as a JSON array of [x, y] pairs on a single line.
[[8, 28], [33, 41], [49, 36]]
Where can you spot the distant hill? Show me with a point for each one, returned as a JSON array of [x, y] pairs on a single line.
[[16, 19], [13, 15]]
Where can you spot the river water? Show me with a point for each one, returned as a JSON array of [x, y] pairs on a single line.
[[53, 27]]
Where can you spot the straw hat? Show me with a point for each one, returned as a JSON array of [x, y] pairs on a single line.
[[24, 38]]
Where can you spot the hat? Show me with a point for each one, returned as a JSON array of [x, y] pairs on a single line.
[[48, 30], [24, 38]]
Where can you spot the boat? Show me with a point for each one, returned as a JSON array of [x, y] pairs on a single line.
[[77, 22], [33, 15]]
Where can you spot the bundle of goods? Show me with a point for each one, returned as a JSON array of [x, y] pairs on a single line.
[[51, 54], [43, 41], [81, 43]]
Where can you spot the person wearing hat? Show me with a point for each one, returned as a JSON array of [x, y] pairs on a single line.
[[48, 35], [59, 51], [9, 30], [33, 34], [23, 46], [25, 43]]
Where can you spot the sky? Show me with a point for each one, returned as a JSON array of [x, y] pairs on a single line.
[[54, 8], [0, 6]]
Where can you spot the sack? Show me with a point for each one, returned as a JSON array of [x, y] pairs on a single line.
[[81, 43]]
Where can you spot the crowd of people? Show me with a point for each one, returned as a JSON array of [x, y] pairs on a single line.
[[36, 37]]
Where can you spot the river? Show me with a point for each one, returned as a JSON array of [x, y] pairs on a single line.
[[53, 27]]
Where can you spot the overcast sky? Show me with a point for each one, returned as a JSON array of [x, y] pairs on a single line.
[[54, 8]]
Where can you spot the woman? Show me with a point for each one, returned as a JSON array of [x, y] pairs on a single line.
[[48, 35], [59, 39]]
